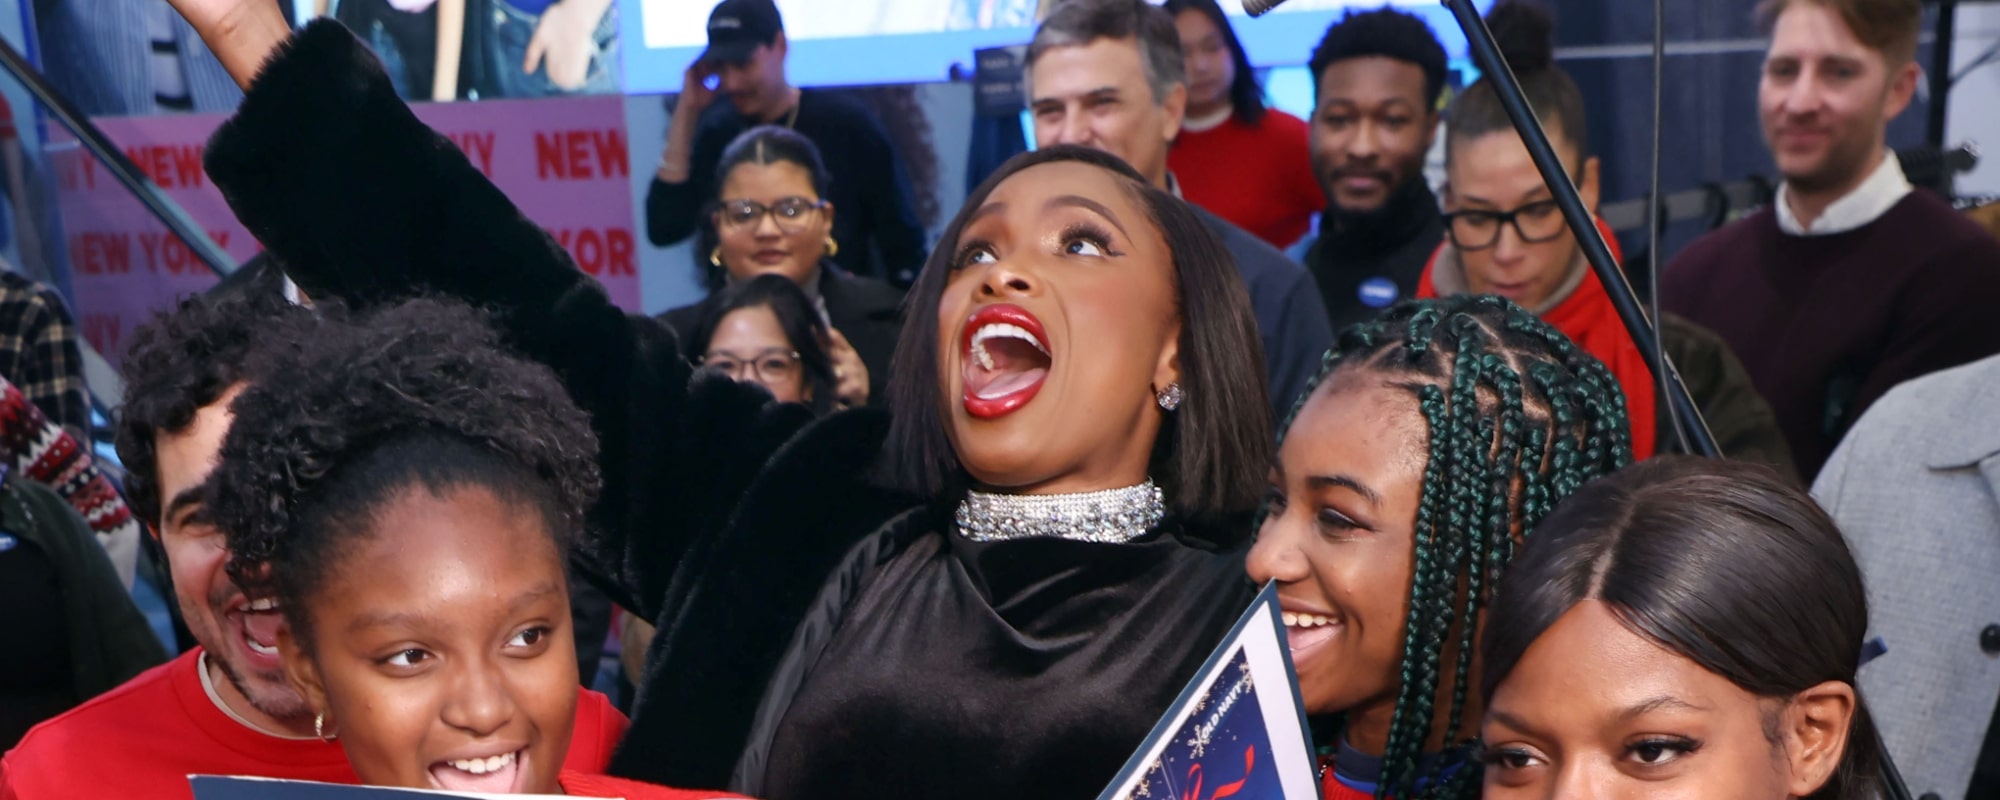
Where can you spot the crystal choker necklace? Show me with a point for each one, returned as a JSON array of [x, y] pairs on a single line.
[[1112, 516]]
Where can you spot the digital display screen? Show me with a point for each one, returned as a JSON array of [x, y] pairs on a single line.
[[873, 42]]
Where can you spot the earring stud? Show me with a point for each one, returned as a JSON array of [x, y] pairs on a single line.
[[1170, 398]]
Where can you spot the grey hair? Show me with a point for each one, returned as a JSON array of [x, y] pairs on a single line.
[[1077, 23]]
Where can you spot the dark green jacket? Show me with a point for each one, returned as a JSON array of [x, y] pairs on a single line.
[[1744, 425], [110, 641]]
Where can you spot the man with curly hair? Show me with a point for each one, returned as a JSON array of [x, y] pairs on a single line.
[[225, 706]]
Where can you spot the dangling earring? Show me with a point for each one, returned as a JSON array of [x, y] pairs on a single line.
[[715, 257], [319, 728], [1170, 398], [832, 247]]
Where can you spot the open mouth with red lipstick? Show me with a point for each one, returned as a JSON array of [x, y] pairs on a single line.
[[500, 773], [1006, 360]]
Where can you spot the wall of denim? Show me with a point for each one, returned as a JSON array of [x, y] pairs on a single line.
[[493, 50], [509, 29]]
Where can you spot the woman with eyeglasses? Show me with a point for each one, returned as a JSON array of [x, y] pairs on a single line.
[[772, 218], [1506, 236], [765, 331]]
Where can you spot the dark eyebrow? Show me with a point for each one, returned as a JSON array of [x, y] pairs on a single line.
[[405, 619], [1393, 103], [1101, 91], [1539, 194], [1345, 482], [187, 498], [1660, 702], [1079, 201]]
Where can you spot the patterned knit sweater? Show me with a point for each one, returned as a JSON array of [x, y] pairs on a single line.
[[47, 454]]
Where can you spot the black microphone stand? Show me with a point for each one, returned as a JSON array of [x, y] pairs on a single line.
[[1487, 55]]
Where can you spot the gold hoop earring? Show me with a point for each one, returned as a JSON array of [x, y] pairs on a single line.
[[319, 728], [832, 247], [715, 257]]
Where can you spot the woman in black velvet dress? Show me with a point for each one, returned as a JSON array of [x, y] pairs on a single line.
[[993, 594]]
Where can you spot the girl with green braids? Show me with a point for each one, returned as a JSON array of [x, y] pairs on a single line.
[[1433, 440]]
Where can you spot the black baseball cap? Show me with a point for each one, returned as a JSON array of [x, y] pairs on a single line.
[[737, 27]]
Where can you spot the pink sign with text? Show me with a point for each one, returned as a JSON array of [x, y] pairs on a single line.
[[564, 162]]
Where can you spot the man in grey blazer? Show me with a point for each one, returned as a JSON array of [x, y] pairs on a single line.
[[1916, 488]]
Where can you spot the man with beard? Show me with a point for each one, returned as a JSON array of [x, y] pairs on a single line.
[[224, 707], [1852, 282], [1377, 79]]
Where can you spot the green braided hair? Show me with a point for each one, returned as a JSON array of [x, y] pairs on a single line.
[[1518, 417]]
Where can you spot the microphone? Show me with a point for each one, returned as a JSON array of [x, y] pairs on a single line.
[[1258, 8]]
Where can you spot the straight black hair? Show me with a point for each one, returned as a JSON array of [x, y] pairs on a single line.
[[1246, 95], [804, 330], [763, 145], [1724, 563], [1212, 453]]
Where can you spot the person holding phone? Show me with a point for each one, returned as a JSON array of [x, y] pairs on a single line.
[[877, 231]]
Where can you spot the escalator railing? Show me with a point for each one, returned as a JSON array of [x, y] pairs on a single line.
[[121, 168]]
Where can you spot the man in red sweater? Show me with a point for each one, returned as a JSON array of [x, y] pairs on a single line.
[[224, 707], [1852, 282]]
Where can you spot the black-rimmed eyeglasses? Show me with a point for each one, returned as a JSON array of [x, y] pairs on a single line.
[[1536, 222], [791, 214]]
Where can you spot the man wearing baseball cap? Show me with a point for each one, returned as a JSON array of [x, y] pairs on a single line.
[[877, 228]]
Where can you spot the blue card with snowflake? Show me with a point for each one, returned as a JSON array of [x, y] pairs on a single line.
[[1237, 732]]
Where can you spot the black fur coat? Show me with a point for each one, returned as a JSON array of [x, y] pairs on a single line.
[[802, 633], [362, 202]]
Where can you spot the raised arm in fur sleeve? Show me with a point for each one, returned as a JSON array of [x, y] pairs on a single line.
[[364, 203]]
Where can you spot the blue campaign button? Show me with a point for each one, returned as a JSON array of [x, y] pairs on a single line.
[[8, 542], [1378, 292]]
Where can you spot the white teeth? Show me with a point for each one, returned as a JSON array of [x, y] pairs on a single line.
[[998, 330], [1293, 620], [258, 648], [481, 766], [266, 604]]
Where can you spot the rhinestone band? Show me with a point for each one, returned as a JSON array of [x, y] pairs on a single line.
[[1113, 516]]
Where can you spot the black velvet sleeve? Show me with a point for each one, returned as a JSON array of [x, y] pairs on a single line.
[[363, 203], [740, 597]]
